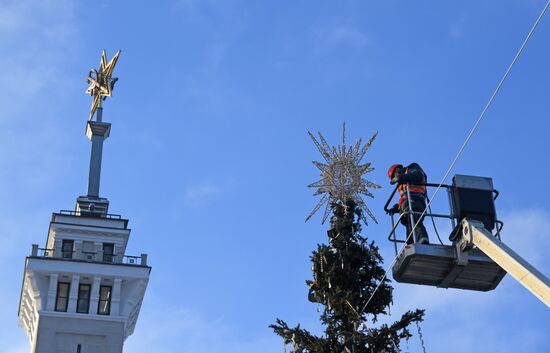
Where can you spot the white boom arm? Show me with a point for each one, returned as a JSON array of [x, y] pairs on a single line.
[[474, 233]]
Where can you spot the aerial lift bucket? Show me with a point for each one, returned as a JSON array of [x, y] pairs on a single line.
[[448, 266]]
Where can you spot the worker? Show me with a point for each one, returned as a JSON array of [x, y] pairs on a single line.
[[404, 176]]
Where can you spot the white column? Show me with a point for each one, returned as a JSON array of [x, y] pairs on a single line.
[[34, 292], [73, 294], [115, 299], [25, 310], [52, 292], [94, 295]]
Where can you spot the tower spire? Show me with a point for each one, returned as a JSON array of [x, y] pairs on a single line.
[[81, 292], [101, 86]]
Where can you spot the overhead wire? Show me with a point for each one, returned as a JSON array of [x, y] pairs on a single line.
[[435, 227], [433, 221], [459, 153]]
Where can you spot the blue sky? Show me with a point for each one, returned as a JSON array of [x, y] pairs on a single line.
[[209, 156]]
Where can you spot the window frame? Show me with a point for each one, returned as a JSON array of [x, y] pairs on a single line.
[[65, 253], [59, 284], [109, 257], [80, 299], [108, 300]]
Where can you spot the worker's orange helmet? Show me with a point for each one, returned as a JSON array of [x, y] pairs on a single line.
[[392, 169]]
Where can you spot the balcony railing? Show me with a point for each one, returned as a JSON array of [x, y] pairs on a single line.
[[41, 252], [77, 213], [89, 256], [135, 260], [67, 254]]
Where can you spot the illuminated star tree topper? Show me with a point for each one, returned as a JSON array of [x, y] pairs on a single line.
[[101, 81], [342, 175]]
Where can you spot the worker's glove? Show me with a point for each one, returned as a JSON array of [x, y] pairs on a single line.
[[393, 210], [397, 179]]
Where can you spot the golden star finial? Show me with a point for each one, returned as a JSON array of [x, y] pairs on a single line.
[[101, 81]]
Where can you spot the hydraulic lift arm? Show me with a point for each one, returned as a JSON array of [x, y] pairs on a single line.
[[474, 233]]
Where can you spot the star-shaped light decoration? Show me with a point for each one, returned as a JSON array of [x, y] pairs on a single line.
[[342, 175], [101, 81]]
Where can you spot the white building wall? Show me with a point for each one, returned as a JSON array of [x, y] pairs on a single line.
[[50, 331], [64, 334]]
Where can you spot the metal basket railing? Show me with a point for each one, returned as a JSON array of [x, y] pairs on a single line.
[[409, 213]]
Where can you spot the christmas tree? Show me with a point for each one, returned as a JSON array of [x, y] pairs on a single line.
[[348, 278]]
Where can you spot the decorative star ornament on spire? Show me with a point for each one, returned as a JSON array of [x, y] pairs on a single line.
[[342, 175], [101, 81]]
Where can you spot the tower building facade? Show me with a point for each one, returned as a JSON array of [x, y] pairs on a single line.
[[81, 292]]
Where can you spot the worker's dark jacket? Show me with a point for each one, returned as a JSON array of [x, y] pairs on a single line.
[[413, 174]]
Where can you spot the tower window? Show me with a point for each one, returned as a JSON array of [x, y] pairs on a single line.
[[67, 249], [79, 348], [108, 252], [104, 300], [62, 296], [83, 302]]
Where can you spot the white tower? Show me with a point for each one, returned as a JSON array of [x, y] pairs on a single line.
[[81, 293]]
